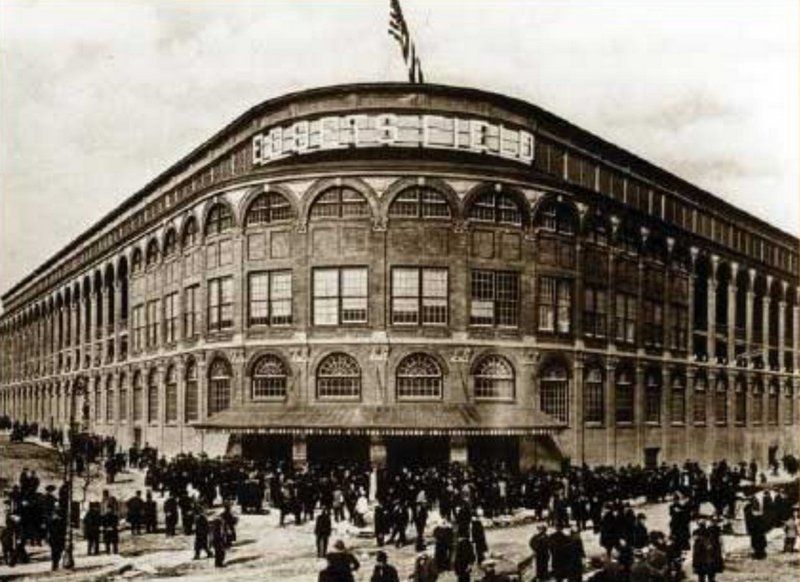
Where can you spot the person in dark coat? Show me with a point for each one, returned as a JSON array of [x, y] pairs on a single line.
[[170, 515], [218, 541], [150, 514], [383, 571], [479, 539], [381, 523], [540, 545], [111, 530], [322, 532], [639, 534], [562, 553], [705, 561], [57, 539], [341, 563], [135, 507], [758, 535], [201, 535], [92, 524], [420, 520], [463, 559], [443, 545]]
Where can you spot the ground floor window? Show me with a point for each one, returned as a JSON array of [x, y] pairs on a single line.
[[219, 386], [419, 376], [494, 378], [624, 397], [554, 393], [593, 400]]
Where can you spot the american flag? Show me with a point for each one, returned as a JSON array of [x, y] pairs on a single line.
[[399, 30]]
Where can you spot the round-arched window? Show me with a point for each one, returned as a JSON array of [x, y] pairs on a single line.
[[152, 397], [497, 207], [338, 377], [219, 219], [268, 207], [419, 376], [189, 232], [191, 398], [494, 378], [269, 378], [219, 386], [170, 242], [339, 202], [171, 395], [419, 202]]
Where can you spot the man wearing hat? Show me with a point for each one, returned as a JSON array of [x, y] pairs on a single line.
[[341, 563], [540, 545], [383, 571]]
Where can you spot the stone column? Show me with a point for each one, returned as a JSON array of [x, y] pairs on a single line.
[[765, 319], [711, 319], [749, 311], [202, 388], [689, 447], [690, 311], [576, 412], [732, 291], [94, 325], [782, 327], [639, 416], [610, 420]]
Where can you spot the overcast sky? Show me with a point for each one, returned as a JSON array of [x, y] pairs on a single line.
[[97, 97]]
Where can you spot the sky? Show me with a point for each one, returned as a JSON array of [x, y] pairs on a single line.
[[98, 96]]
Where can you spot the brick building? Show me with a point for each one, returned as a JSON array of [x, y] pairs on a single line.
[[394, 271]]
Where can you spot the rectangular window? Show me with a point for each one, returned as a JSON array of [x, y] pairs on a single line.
[[625, 318], [152, 323], [138, 327], [419, 296], [123, 404], [190, 298], [595, 312], [494, 298], [270, 298], [340, 296], [109, 404], [555, 305], [170, 318], [653, 323], [191, 404], [220, 303], [680, 320]]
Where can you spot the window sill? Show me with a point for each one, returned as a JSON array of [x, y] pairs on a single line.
[[593, 424], [418, 399], [624, 424], [498, 400], [656, 423], [699, 424], [273, 399]]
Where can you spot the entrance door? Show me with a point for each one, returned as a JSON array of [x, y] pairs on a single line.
[[338, 449], [276, 448], [417, 451], [651, 457]]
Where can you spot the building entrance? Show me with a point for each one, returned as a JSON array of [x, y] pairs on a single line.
[[493, 450], [338, 449], [417, 451], [267, 447]]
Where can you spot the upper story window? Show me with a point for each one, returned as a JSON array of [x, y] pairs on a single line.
[[219, 219], [270, 298], [136, 260], [758, 402], [191, 402], [267, 208], [269, 378], [152, 253], [340, 295], [597, 230], [594, 408], [494, 378], [494, 298], [339, 202], [556, 217], [152, 397], [419, 202], [652, 397], [219, 386], [624, 397], [419, 376], [496, 207], [170, 242], [338, 377], [555, 305], [189, 232], [419, 296], [220, 303], [700, 399], [554, 392], [171, 395]]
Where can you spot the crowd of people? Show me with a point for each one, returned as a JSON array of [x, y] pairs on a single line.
[[446, 507]]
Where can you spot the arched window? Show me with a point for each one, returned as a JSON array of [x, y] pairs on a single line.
[[152, 253], [97, 408], [152, 397], [652, 402], [700, 399], [269, 378], [219, 386], [109, 399], [219, 219], [556, 217], [419, 376], [624, 397], [494, 378], [268, 207], [758, 402], [138, 397], [122, 406], [597, 230], [594, 406], [339, 377], [171, 395], [191, 400], [788, 403], [189, 232], [741, 401], [170, 242], [497, 207], [339, 202], [721, 401], [419, 202], [772, 403], [554, 392], [136, 260]]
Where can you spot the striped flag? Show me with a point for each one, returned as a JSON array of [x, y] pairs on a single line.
[[399, 30]]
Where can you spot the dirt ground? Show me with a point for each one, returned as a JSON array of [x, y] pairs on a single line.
[[265, 551]]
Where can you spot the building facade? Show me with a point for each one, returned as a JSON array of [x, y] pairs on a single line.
[[415, 272]]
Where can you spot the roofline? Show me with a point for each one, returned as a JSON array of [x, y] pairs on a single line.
[[578, 134]]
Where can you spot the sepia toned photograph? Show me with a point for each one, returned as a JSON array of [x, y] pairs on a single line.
[[383, 290]]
